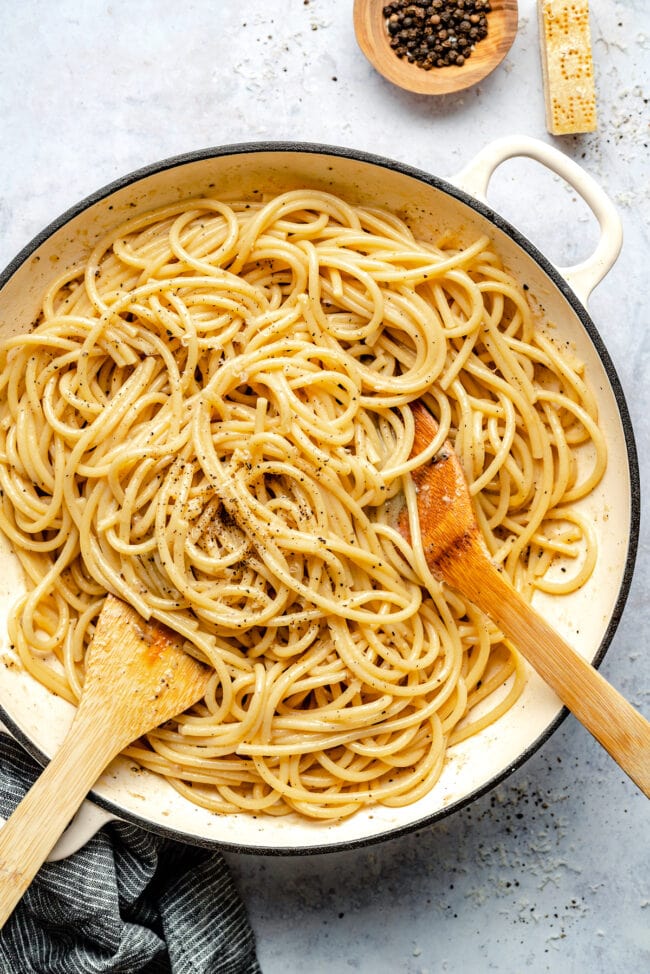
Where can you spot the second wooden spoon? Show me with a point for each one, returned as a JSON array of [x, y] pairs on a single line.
[[137, 677], [457, 555]]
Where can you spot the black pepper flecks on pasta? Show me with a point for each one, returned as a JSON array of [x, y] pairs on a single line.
[[436, 33]]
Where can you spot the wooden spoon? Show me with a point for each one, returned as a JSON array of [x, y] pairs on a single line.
[[137, 677], [457, 555], [373, 39]]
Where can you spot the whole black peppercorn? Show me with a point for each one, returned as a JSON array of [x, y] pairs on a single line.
[[436, 33]]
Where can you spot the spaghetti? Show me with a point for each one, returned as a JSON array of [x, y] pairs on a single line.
[[211, 420]]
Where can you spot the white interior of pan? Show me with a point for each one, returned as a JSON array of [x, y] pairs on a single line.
[[581, 618]]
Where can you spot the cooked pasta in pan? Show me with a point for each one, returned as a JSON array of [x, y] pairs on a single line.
[[211, 419]]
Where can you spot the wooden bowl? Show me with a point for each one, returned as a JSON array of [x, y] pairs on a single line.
[[373, 39]]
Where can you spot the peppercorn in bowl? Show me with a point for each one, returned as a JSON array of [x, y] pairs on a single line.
[[435, 47]]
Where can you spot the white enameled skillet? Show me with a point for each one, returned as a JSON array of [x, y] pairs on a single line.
[[432, 206]]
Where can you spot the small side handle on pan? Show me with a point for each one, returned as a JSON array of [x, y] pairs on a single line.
[[583, 277], [87, 822]]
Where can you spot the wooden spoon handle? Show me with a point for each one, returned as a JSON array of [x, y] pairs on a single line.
[[41, 817], [613, 721]]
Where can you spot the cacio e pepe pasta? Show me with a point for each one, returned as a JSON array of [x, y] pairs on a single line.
[[211, 419]]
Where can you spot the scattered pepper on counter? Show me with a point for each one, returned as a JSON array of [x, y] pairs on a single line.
[[436, 33]]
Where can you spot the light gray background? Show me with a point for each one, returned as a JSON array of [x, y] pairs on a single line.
[[550, 872]]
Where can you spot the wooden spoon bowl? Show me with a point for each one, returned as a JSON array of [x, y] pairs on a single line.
[[373, 39]]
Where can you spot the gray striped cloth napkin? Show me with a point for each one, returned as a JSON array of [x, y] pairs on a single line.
[[129, 902]]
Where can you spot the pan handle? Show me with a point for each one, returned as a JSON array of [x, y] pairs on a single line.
[[87, 822], [475, 178], [89, 819]]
